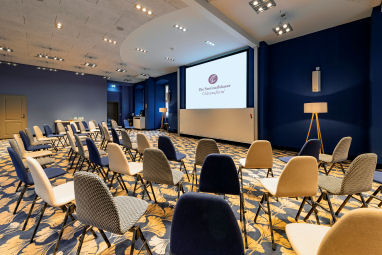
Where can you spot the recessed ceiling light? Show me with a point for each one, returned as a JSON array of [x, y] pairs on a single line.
[[181, 28], [149, 12], [121, 70], [41, 55], [262, 5], [109, 40], [106, 77], [209, 43], [59, 25], [8, 63], [2, 48], [141, 50], [92, 65], [283, 29], [170, 59], [143, 9], [138, 6]]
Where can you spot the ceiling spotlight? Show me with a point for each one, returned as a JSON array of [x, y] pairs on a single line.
[[41, 55], [109, 40], [262, 5], [121, 70], [176, 25], [277, 28], [144, 9], [283, 27], [149, 12], [58, 25], [170, 59], [2, 48], [280, 32], [141, 50], [90, 64], [105, 39], [138, 6], [209, 43], [181, 28], [114, 42]]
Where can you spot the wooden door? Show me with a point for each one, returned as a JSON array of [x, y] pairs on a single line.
[[13, 115]]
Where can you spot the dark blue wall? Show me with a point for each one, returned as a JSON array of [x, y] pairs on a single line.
[[123, 94], [139, 97], [285, 83], [55, 95], [376, 83]]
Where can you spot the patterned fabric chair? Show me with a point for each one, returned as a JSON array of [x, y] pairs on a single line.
[[358, 178], [357, 232], [340, 154], [194, 233], [204, 148], [219, 175], [128, 145], [28, 146], [157, 169], [96, 207], [377, 179], [142, 144], [259, 156], [298, 179], [165, 144], [312, 147]]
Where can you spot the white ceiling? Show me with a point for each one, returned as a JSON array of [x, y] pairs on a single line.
[[305, 16]]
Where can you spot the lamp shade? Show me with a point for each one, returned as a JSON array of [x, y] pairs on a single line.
[[318, 107], [162, 109]]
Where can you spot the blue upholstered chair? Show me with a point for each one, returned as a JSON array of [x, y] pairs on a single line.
[[126, 124], [219, 175], [74, 129], [25, 177], [165, 144], [311, 147], [85, 126], [115, 136], [377, 179], [96, 161], [49, 133], [30, 147], [204, 224]]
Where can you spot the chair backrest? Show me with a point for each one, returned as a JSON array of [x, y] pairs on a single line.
[[48, 130], [357, 232], [113, 123], [299, 178], [42, 185], [93, 152], [71, 139], [165, 144], [341, 151], [126, 123], [82, 127], [20, 144], [29, 134], [312, 147], [81, 149], [359, 176], [15, 147], [204, 148], [74, 128], [259, 155], [95, 205], [125, 141], [85, 125], [106, 133], [25, 139], [21, 172], [204, 224], [104, 124], [115, 136], [38, 132], [100, 127], [156, 167], [142, 143], [92, 125], [60, 128], [117, 159], [219, 175]]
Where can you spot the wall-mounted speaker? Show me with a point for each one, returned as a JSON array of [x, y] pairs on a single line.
[[316, 80]]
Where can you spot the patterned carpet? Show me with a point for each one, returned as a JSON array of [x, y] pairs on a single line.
[[156, 222]]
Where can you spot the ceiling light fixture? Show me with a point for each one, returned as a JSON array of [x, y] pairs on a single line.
[[170, 59], [90, 64], [109, 40], [41, 55], [209, 43], [283, 27], [59, 25], [141, 50], [8, 63], [2, 48], [262, 5], [181, 28], [106, 77], [121, 70], [143, 9], [46, 69], [82, 74]]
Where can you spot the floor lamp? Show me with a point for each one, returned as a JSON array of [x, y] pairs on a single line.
[[315, 109], [163, 121]]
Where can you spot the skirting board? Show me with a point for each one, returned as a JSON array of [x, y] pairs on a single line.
[[237, 125]]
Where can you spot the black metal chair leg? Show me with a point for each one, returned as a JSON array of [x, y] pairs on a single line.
[[242, 202], [362, 200], [315, 210], [82, 239], [258, 209], [68, 211], [135, 185], [133, 241], [270, 221], [374, 194], [300, 209], [18, 186], [38, 222], [314, 207], [105, 237], [144, 188], [152, 189], [144, 240], [185, 169], [20, 197], [30, 212], [343, 205], [330, 208]]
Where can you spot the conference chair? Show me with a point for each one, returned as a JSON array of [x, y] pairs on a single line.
[[84, 131], [115, 136], [49, 133], [25, 177], [259, 156], [42, 138], [165, 144], [32, 140], [115, 125], [119, 165], [219, 175], [358, 178], [312, 147], [93, 128], [339, 155], [30, 147], [357, 232], [85, 125], [107, 138], [73, 153], [204, 224], [73, 128], [97, 208], [97, 163], [204, 148], [378, 179], [126, 125], [157, 169], [142, 144], [61, 130], [82, 153], [60, 196], [298, 179], [128, 145]]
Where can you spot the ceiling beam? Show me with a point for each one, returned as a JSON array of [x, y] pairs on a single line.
[[214, 15]]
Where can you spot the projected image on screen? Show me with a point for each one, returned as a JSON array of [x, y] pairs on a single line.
[[221, 83]]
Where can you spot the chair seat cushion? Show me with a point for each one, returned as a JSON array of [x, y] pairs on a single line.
[[305, 238], [270, 184], [286, 159], [378, 176], [42, 161], [37, 154], [177, 176], [38, 147], [330, 183], [326, 158], [180, 156], [130, 210], [135, 167], [53, 135], [105, 161], [63, 193]]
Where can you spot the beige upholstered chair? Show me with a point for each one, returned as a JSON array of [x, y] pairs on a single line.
[[41, 138], [142, 144], [94, 129], [357, 232], [33, 154], [119, 165], [128, 145], [298, 179], [204, 148], [42, 160], [106, 137], [33, 141], [358, 178], [114, 125], [340, 154], [61, 131], [259, 156]]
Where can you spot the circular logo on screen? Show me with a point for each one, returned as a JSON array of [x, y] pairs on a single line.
[[213, 79]]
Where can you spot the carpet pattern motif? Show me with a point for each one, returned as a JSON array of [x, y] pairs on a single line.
[[156, 222]]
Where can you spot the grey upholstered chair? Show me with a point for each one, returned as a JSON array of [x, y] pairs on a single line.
[[204, 148], [128, 145], [106, 138], [339, 155], [142, 144], [33, 154], [358, 178], [42, 160], [33, 141], [96, 207], [61, 130], [156, 168], [114, 125]]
